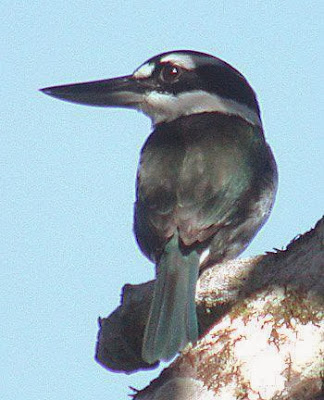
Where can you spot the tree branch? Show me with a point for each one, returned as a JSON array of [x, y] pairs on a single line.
[[261, 330]]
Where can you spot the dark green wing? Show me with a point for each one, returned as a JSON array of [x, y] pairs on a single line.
[[196, 178]]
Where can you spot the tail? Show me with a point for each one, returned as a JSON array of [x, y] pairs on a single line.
[[172, 321]]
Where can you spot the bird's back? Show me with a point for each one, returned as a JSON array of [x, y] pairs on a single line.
[[199, 174]]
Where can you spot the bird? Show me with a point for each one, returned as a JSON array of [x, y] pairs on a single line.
[[206, 181]]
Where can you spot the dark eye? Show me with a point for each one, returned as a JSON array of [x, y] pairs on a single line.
[[170, 73]]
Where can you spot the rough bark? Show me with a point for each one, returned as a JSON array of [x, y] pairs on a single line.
[[261, 330]]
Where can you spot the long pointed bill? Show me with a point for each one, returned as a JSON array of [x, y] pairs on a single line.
[[124, 91]]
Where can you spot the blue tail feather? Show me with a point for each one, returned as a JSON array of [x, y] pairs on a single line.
[[172, 321]]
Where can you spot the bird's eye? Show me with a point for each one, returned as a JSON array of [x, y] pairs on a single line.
[[170, 73]]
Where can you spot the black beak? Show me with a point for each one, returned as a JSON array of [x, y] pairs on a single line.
[[124, 91]]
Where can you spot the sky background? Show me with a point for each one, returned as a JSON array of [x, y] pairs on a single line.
[[68, 171]]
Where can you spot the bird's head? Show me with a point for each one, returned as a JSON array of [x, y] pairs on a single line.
[[169, 86]]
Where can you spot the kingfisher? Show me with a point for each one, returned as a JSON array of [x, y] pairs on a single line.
[[206, 180]]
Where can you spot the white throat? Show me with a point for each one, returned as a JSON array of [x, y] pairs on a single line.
[[164, 107]]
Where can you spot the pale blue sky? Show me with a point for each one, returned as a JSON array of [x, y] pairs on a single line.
[[68, 171]]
